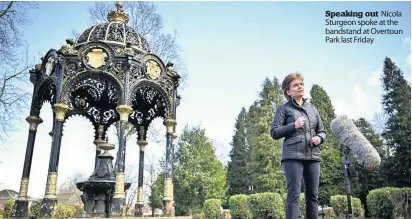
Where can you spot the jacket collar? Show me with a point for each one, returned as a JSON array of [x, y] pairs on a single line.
[[296, 104]]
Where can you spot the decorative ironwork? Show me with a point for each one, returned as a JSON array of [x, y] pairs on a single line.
[[107, 72], [135, 72], [119, 67], [148, 102], [145, 44], [132, 37], [116, 32], [95, 98], [84, 37], [71, 70], [98, 32], [45, 93]]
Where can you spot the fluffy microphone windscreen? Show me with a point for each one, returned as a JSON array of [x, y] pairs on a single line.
[[349, 135]]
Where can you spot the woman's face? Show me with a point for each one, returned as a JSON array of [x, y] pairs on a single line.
[[296, 89]]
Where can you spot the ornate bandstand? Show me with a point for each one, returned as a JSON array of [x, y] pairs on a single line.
[[108, 75]]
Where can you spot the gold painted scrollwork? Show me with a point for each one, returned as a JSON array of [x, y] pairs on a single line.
[[51, 185], [168, 190], [119, 185], [24, 187], [140, 195]]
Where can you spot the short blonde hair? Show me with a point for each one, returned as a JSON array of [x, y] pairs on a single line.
[[286, 82]]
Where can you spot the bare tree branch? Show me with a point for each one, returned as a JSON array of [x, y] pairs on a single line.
[[149, 181], [14, 94], [131, 176], [379, 122], [99, 11], [14, 65], [68, 193], [4, 12]]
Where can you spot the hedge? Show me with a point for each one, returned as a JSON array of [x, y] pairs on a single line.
[[389, 202], [267, 205], [339, 204], [238, 206], [8, 208], [212, 208]]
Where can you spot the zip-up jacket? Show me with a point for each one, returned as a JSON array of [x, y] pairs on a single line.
[[296, 143]]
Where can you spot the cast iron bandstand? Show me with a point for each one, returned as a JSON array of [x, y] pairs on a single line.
[[108, 75]]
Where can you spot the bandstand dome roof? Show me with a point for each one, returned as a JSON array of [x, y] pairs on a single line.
[[115, 32]]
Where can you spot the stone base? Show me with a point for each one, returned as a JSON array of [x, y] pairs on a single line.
[[21, 209], [117, 206], [47, 207]]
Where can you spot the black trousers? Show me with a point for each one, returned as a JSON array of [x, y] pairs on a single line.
[[294, 170]]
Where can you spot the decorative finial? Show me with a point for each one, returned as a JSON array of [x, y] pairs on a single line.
[[118, 14], [119, 6]]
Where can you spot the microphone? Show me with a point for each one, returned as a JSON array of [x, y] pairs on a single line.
[[349, 135]]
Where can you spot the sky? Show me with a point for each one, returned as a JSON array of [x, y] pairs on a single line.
[[228, 48]]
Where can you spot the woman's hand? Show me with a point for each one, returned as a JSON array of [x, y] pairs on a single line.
[[315, 140], [300, 122]]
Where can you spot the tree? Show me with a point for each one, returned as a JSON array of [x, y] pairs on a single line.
[[238, 184], [396, 102], [14, 64], [8, 208], [331, 175], [366, 179], [156, 185], [131, 176], [198, 174], [68, 193], [322, 102], [264, 167]]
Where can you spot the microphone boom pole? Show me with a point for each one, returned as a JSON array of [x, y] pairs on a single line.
[[356, 143], [347, 176]]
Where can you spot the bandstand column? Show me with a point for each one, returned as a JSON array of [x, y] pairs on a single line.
[[50, 199], [168, 201], [21, 207], [97, 142], [119, 196], [142, 144]]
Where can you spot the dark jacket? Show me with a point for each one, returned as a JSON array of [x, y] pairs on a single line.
[[296, 144]]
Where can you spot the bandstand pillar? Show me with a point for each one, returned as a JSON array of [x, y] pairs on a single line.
[[21, 207], [168, 202], [118, 205], [50, 198], [139, 205]]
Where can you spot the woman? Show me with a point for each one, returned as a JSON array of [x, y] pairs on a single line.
[[299, 123]]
